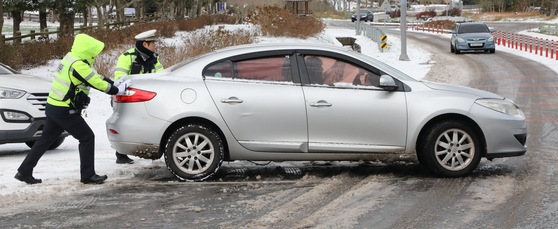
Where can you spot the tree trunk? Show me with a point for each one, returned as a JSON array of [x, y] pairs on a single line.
[[180, 5], [118, 10], [85, 16], [1, 14], [42, 20], [16, 15], [66, 16], [199, 8], [100, 18]]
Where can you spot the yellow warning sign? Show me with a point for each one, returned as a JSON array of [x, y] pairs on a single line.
[[384, 38], [383, 45]]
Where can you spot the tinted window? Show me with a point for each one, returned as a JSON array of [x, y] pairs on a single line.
[[338, 73], [473, 28], [268, 69], [219, 70]]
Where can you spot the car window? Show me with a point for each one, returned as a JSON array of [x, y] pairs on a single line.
[[473, 28], [266, 69], [338, 73], [219, 70]]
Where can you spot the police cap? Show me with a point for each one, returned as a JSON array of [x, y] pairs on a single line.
[[147, 36]]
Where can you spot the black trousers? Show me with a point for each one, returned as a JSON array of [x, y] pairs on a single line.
[[59, 119]]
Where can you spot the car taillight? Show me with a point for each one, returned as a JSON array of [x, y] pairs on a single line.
[[134, 95]]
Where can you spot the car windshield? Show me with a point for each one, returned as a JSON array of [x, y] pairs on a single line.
[[5, 70], [473, 28], [393, 71]]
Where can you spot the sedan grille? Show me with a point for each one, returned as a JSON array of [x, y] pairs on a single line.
[[476, 39], [38, 100]]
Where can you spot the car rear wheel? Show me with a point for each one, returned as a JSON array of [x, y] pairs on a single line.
[[450, 149], [54, 145], [194, 152]]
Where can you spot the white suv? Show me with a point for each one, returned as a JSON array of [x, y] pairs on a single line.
[[22, 107]]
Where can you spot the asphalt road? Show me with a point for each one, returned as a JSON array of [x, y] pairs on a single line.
[[518, 192]]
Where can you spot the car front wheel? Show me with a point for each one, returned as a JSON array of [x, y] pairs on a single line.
[[450, 149], [194, 152]]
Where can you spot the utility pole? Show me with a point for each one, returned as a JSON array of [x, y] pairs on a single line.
[[358, 18], [403, 23]]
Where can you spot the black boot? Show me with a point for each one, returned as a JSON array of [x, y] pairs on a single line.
[[95, 179], [29, 179], [123, 159]]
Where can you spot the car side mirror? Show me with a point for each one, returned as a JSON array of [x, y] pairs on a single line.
[[492, 30], [387, 83]]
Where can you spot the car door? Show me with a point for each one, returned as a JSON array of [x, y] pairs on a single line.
[[346, 110], [260, 102]]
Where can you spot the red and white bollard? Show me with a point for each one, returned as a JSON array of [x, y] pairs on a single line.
[[546, 48]]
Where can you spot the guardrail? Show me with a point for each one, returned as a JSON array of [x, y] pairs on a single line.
[[45, 33], [540, 46], [375, 34], [528, 44]]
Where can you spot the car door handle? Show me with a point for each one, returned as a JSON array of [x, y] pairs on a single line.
[[321, 103], [232, 100]]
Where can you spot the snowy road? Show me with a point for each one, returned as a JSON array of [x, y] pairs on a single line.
[[518, 192]]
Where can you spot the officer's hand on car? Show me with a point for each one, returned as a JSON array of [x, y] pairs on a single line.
[[122, 87], [120, 80]]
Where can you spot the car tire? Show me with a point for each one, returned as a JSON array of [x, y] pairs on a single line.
[[493, 51], [457, 51], [450, 148], [452, 50], [194, 152], [54, 145], [352, 20]]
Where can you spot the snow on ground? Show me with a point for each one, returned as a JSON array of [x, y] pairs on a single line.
[[59, 168]]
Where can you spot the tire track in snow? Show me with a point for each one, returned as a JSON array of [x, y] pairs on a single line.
[[344, 211], [297, 209]]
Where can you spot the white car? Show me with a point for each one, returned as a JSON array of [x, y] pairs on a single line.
[[308, 102], [22, 107]]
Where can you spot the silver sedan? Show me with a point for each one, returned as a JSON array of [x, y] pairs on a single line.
[[299, 102]]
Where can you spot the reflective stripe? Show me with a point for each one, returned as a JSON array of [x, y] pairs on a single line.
[[83, 87], [122, 70], [61, 81], [57, 92], [69, 58], [90, 76], [158, 67], [108, 88]]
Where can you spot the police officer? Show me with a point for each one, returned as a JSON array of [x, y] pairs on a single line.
[[138, 60], [68, 96]]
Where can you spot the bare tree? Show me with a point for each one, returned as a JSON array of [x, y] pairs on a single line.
[[1, 14]]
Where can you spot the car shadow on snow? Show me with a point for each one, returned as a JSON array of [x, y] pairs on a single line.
[[292, 171]]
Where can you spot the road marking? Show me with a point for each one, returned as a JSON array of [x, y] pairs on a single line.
[[511, 70], [517, 77], [544, 119], [515, 85]]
